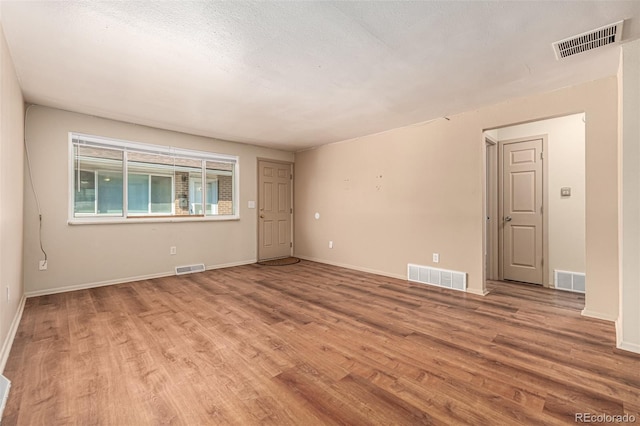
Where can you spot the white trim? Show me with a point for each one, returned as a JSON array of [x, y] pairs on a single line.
[[355, 268], [8, 342], [71, 196], [235, 179], [86, 286], [375, 272], [631, 347], [597, 315], [144, 219], [121, 144], [488, 139], [620, 343], [482, 292]]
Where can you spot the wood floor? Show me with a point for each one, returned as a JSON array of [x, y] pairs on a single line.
[[311, 344]]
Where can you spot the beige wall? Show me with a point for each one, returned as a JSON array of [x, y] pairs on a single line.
[[397, 197], [565, 164], [628, 324], [11, 190], [83, 255]]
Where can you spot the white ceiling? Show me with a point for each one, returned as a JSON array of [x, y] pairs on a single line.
[[292, 75]]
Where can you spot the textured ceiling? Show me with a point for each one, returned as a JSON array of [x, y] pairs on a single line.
[[293, 75]]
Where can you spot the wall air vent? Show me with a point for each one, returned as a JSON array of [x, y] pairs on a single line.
[[587, 41], [569, 281], [189, 269], [5, 385], [438, 277]]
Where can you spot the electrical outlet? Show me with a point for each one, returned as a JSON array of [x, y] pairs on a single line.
[[42, 265], [330, 244], [172, 250], [436, 258]]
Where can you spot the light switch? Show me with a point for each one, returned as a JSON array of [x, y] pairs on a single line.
[[565, 191], [251, 204]]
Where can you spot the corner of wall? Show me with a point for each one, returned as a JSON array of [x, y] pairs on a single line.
[[8, 341], [11, 200]]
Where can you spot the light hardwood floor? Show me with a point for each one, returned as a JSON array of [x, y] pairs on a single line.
[[313, 344]]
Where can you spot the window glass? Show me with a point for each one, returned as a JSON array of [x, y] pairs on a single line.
[[85, 192], [159, 181], [195, 199], [138, 193], [109, 192], [186, 171], [222, 190], [161, 194], [212, 197], [97, 182]]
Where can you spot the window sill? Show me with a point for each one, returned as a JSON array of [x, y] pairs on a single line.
[[148, 219]]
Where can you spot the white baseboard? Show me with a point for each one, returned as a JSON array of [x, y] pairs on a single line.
[[631, 347], [355, 268], [8, 341], [598, 315], [232, 264], [478, 292], [85, 286], [376, 272], [621, 344]]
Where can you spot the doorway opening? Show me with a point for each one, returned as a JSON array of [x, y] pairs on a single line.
[[535, 203]]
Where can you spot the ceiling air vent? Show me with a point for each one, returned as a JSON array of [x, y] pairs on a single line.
[[587, 41]]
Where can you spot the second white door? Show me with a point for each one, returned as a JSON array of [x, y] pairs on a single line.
[[522, 220]]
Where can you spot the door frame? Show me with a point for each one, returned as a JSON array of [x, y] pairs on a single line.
[[257, 209], [490, 208], [545, 208]]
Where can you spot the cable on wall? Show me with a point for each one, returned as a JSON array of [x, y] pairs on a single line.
[[33, 187]]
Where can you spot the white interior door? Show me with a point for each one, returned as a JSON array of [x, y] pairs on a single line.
[[522, 192], [274, 214]]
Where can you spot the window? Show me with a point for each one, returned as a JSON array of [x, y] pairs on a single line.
[[117, 180], [195, 194]]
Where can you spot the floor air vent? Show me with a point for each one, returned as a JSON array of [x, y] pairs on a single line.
[[587, 41], [438, 277], [5, 384], [189, 269], [569, 281]]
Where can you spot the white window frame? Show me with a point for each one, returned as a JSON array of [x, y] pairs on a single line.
[[128, 146]]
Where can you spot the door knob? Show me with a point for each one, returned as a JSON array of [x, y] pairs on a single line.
[[261, 216], [507, 219]]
